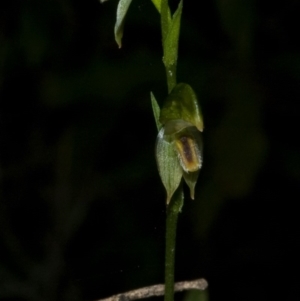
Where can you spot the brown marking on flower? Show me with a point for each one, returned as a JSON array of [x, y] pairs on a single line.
[[189, 154]]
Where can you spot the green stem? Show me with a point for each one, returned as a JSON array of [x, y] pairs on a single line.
[[165, 20], [176, 202], [171, 77], [171, 225]]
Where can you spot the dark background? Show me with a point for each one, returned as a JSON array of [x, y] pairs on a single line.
[[82, 209]]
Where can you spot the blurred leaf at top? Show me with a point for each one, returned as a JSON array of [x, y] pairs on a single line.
[[119, 26]]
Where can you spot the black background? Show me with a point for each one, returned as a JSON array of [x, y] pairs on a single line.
[[82, 208]]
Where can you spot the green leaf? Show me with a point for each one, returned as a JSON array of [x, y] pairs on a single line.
[[121, 13], [169, 168], [156, 111], [157, 4], [182, 104], [165, 19], [170, 40]]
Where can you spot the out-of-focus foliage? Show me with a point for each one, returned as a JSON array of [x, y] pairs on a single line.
[[81, 204], [122, 9]]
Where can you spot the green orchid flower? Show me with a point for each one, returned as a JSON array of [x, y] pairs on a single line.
[[179, 143]]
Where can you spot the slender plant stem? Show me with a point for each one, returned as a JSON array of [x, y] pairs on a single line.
[[171, 225], [176, 202], [165, 20], [171, 77]]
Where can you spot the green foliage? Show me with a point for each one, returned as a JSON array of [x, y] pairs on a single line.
[[119, 26], [168, 165], [156, 111], [165, 19], [157, 4], [171, 37]]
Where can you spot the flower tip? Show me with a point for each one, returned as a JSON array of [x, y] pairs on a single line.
[[200, 126], [119, 43]]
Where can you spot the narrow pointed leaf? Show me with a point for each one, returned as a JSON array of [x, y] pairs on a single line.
[[156, 111], [157, 4], [182, 104], [169, 168], [172, 37], [165, 19], [121, 13]]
